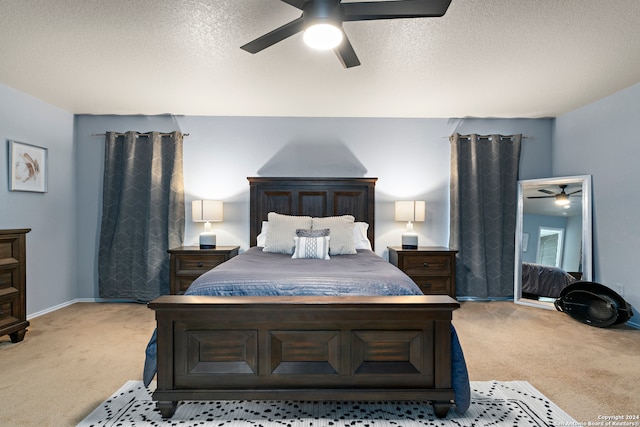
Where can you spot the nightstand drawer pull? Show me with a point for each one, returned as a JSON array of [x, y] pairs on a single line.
[[425, 265], [200, 264]]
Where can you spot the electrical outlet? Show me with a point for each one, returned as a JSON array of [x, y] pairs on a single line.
[[619, 288]]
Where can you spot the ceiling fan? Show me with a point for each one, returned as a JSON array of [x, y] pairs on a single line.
[[322, 20], [562, 198]]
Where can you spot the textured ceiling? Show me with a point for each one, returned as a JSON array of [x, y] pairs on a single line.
[[484, 58]]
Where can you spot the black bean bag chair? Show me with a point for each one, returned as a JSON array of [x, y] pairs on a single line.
[[593, 304]]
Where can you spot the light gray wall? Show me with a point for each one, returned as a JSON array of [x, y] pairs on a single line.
[[51, 244], [602, 140], [410, 158]]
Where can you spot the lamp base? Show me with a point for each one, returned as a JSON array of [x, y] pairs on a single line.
[[409, 241], [207, 240]]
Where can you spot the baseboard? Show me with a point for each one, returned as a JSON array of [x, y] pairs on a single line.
[[633, 324], [71, 302], [50, 309]]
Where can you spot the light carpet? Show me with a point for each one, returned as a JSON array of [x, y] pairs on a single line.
[[493, 403]]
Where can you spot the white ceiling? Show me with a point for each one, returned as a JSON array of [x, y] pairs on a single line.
[[484, 58]]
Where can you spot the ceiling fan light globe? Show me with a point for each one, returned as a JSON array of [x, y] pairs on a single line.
[[562, 200], [322, 36]]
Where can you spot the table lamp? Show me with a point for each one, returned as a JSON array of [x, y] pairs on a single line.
[[207, 211], [410, 211]]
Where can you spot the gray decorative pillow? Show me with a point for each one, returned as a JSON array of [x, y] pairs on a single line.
[[282, 231], [341, 231], [312, 233]]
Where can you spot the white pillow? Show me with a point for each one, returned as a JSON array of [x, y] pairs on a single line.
[[261, 238], [282, 230], [341, 229], [361, 240], [311, 244], [360, 237]]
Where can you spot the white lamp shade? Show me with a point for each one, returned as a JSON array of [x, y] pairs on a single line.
[[206, 210], [410, 210]]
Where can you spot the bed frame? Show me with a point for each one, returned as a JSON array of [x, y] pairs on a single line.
[[305, 347]]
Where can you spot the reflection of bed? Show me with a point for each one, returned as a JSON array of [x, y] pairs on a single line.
[[543, 280], [334, 345]]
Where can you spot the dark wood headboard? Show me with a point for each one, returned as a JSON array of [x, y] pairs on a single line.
[[315, 197]]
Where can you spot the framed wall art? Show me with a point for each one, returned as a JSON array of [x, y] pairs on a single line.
[[28, 167]]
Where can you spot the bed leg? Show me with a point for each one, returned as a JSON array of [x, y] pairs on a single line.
[[167, 408], [441, 408]]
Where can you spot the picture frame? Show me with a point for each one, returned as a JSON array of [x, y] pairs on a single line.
[[28, 167]]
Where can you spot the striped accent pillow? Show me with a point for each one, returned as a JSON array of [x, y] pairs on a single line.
[[282, 231], [312, 244]]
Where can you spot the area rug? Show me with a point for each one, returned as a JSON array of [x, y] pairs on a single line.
[[493, 403]]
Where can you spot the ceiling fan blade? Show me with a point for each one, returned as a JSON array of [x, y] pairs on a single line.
[[275, 36], [346, 54], [541, 197], [574, 192], [547, 191], [298, 4], [363, 11]]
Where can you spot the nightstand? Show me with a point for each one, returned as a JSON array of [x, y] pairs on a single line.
[[433, 268], [190, 262], [13, 285]]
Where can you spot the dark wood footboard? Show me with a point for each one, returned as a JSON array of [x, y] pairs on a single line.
[[304, 348]]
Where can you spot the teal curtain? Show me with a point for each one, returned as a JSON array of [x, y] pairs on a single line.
[[484, 199], [142, 214]]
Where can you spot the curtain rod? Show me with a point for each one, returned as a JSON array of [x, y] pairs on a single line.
[[137, 133]]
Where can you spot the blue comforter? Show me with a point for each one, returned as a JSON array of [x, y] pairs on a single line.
[[259, 273]]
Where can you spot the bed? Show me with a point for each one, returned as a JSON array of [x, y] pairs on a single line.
[[544, 281], [378, 340]]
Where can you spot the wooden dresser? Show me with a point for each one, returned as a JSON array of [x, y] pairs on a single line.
[[13, 284], [190, 262], [433, 268]]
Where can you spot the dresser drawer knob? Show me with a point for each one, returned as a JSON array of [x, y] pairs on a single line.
[[425, 264], [200, 264]]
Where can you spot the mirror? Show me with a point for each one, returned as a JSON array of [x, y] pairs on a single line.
[[553, 238]]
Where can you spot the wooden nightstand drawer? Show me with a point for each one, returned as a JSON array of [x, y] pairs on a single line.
[[182, 283], [432, 268], [433, 285], [427, 264], [190, 262], [201, 263]]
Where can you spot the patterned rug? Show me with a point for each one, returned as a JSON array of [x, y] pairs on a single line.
[[493, 403]]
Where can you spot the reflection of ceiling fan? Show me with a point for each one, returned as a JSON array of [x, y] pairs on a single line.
[[562, 198], [328, 15]]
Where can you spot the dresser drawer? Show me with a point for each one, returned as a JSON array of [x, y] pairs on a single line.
[[8, 312], [8, 281], [421, 264], [7, 247], [433, 285], [200, 263]]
